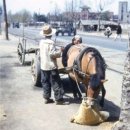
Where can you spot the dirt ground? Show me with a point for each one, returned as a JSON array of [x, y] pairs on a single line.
[[22, 106]]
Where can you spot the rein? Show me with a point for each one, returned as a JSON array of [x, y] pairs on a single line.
[[81, 73], [77, 83], [89, 63]]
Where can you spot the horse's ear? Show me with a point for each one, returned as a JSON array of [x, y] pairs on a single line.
[[104, 80]]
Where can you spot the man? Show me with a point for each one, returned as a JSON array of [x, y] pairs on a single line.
[[76, 40], [118, 31], [49, 73]]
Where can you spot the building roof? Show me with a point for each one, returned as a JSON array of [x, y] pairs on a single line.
[[85, 7], [95, 22]]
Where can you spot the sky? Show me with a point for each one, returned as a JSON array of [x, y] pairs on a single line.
[[46, 6]]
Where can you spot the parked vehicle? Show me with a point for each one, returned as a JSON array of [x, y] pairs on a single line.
[[66, 29], [16, 25]]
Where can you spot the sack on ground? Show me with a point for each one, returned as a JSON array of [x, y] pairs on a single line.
[[89, 115]]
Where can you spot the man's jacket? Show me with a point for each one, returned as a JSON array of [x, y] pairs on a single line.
[[48, 54]]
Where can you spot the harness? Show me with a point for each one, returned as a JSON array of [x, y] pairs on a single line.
[[77, 63], [77, 69], [94, 79]]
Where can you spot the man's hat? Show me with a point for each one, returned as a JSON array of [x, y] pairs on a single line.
[[47, 31], [77, 37]]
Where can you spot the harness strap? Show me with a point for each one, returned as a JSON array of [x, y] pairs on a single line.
[[79, 72], [87, 50], [77, 83], [89, 62]]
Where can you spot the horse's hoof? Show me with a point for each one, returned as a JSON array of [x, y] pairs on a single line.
[[75, 98], [78, 98]]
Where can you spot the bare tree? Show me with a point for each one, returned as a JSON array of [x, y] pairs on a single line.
[[71, 10], [23, 16], [10, 18], [101, 4], [26, 16], [55, 12]]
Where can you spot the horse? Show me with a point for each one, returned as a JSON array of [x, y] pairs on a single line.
[[88, 67]]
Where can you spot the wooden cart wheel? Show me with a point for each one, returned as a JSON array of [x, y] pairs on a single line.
[[21, 54], [36, 71]]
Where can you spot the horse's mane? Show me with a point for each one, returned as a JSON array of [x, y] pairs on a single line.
[[100, 62]]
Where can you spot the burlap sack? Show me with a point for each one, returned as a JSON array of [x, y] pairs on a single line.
[[89, 115]]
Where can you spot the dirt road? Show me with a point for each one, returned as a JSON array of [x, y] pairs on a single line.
[[22, 106]]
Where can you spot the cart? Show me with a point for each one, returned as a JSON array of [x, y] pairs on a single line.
[[22, 51], [35, 62]]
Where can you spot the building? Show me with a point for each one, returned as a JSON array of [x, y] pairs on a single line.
[[84, 15], [92, 25], [123, 14], [128, 17]]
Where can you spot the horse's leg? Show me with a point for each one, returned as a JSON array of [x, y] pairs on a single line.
[[103, 95], [75, 89]]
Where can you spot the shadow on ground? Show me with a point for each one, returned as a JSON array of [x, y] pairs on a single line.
[[113, 109], [109, 106], [68, 87]]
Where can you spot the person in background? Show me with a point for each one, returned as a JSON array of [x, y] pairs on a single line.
[[108, 32], [118, 31], [50, 78], [75, 40]]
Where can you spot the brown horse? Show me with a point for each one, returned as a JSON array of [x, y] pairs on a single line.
[[89, 68]]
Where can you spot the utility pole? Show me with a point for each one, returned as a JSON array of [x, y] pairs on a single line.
[[73, 17], [72, 11], [5, 20], [0, 19], [101, 7]]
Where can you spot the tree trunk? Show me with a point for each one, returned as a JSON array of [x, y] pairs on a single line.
[[124, 120]]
